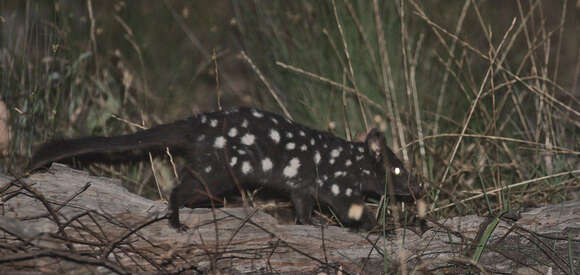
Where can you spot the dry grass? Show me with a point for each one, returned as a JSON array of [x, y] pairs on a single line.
[[481, 100]]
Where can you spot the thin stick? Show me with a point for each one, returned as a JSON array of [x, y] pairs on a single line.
[[443, 87], [468, 119], [559, 46], [172, 163], [391, 109], [364, 37], [497, 138], [93, 36], [418, 121], [217, 80], [328, 81], [405, 71], [421, 14], [351, 70], [344, 110], [576, 75], [507, 187], [267, 84]]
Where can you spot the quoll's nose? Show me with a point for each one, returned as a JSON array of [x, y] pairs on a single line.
[[408, 188], [416, 186]]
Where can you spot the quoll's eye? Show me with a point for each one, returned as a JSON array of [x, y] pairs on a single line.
[[397, 171]]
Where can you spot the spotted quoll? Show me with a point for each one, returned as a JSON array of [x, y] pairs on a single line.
[[247, 147]]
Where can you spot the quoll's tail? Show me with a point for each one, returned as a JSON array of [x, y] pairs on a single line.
[[166, 135]]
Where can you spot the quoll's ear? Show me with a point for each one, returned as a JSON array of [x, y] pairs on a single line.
[[376, 143]]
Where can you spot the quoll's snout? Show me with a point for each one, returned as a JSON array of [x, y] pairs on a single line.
[[415, 187], [406, 186], [404, 183]]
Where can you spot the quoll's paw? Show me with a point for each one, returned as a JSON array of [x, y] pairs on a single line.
[[178, 226], [306, 220], [182, 228], [367, 225], [366, 220], [173, 218]]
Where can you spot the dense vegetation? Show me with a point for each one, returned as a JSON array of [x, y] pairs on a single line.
[[476, 97]]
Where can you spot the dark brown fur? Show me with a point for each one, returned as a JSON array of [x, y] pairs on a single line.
[[238, 146]]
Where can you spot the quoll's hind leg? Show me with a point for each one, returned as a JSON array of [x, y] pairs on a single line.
[[195, 190], [303, 204]]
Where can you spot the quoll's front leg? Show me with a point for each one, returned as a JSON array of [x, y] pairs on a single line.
[[303, 205], [354, 212], [174, 222], [367, 221], [347, 202]]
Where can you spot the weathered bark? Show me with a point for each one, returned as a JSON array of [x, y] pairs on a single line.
[[70, 221]]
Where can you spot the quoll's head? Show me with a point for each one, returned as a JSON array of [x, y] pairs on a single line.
[[404, 184]]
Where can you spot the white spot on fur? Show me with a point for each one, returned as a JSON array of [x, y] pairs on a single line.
[[246, 167], [233, 132], [348, 192], [267, 164], [359, 157], [325, 145], [320, 182], [397, 171], [335, 153], [241, 152], [257, 114], [335, 189], [203, 119], [213, 123], [324, 177], [348, 163], [331, 161], [291, 184], [201, 137], [361, 149], [274, 120], [317, 157], [248, 139], [245, 123], [220, 142], [289, 135], [290, 146], [208, 169], [275, 136], [233, 161], [366, 172], [291, 170], [339, 174], [301, 133], [312, 142], [355, 211], [303, 147]]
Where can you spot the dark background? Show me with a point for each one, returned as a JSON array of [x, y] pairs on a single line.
[[77, 68]]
